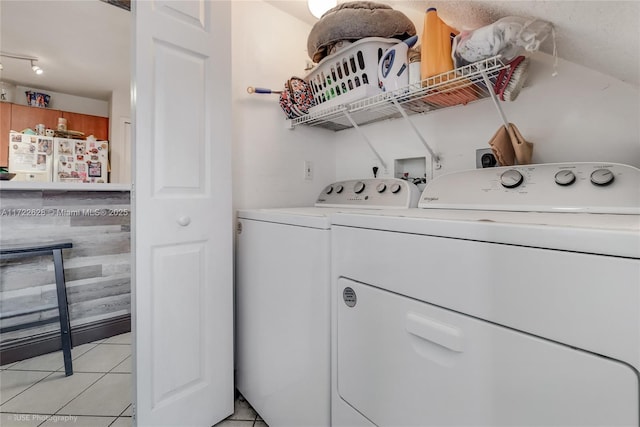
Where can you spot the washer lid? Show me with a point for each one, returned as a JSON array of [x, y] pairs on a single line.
[[555, 187], [604, 234], [303, 217]]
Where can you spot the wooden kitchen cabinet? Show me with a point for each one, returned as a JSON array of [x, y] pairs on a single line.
[[5, 126], [89, 125], [23, 116], [18, 117]]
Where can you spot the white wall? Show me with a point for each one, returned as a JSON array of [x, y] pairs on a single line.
[[579, 115], [268, 160], [66, 102], [120, 150]]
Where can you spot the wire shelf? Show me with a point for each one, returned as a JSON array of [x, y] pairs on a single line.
[[456, 87]]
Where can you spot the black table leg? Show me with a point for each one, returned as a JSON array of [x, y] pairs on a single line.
[[63, 309]]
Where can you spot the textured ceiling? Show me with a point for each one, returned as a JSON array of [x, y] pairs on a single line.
[[601, 35], [84, 45]]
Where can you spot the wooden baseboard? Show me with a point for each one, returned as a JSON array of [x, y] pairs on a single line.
[[50, 342]]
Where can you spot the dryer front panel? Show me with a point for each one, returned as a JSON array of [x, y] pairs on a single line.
[[405, 362], [583, 300]]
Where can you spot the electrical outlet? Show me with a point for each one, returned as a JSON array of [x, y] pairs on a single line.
[[485, 158], [308, 170]]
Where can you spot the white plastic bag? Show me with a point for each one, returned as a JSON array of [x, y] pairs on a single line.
[[508, 37]]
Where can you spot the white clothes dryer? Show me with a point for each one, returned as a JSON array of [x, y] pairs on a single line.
[[282, 299], [512, 298]]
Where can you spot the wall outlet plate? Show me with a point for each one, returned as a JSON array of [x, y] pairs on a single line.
[[485, 158], [308, 170]]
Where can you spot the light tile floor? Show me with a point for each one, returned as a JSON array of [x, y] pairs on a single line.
[[243, 416], [35, 392]]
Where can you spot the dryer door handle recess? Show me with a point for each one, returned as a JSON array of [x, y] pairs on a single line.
[[444, 335]]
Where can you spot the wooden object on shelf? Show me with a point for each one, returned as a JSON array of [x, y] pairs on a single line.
[[5, 126], [87, 124]]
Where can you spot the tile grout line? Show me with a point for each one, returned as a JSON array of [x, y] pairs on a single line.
[[85, 389], [95, 347], [104, 374], [77, 395], [118, 364], [60, 369], [120, 416], [48, 418], [78, 416], [41, 379]]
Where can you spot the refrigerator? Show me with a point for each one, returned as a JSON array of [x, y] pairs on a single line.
[[76, 160], [31, 157]]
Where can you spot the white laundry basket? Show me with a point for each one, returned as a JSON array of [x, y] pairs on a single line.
[[350, 74]]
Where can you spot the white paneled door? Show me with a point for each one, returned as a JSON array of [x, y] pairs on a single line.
[[182, 290]]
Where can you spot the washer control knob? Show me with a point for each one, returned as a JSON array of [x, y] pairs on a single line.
[[511, 178], [602, 177], [395, 188], [339, 188], [328, 190], [358, 187], [565, 177], [381, 187]]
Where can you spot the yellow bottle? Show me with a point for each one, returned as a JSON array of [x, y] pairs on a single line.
[[436, 45], [436, 59]]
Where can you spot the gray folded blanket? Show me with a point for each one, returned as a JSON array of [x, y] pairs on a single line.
[[356, 20]]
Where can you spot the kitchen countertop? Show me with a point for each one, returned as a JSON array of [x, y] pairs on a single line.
[[62, 186]]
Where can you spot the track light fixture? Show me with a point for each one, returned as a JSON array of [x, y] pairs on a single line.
[[32, 59], [36, 69]]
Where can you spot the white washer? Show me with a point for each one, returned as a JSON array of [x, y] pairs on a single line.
[[282, 299], [512, 298]]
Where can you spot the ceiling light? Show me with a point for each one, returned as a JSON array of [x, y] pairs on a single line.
[[35, 68], [31, 59], [319, 7]]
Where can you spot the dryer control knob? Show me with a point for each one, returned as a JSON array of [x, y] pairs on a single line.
[[511, 178], [565, 177], [328, 190], [602, 177], [381, 187], [358, 187], [339, 188], [395, 188]]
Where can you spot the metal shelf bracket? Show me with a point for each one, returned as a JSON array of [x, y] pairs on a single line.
[[355, 125], [463, 85], [434, 157]]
